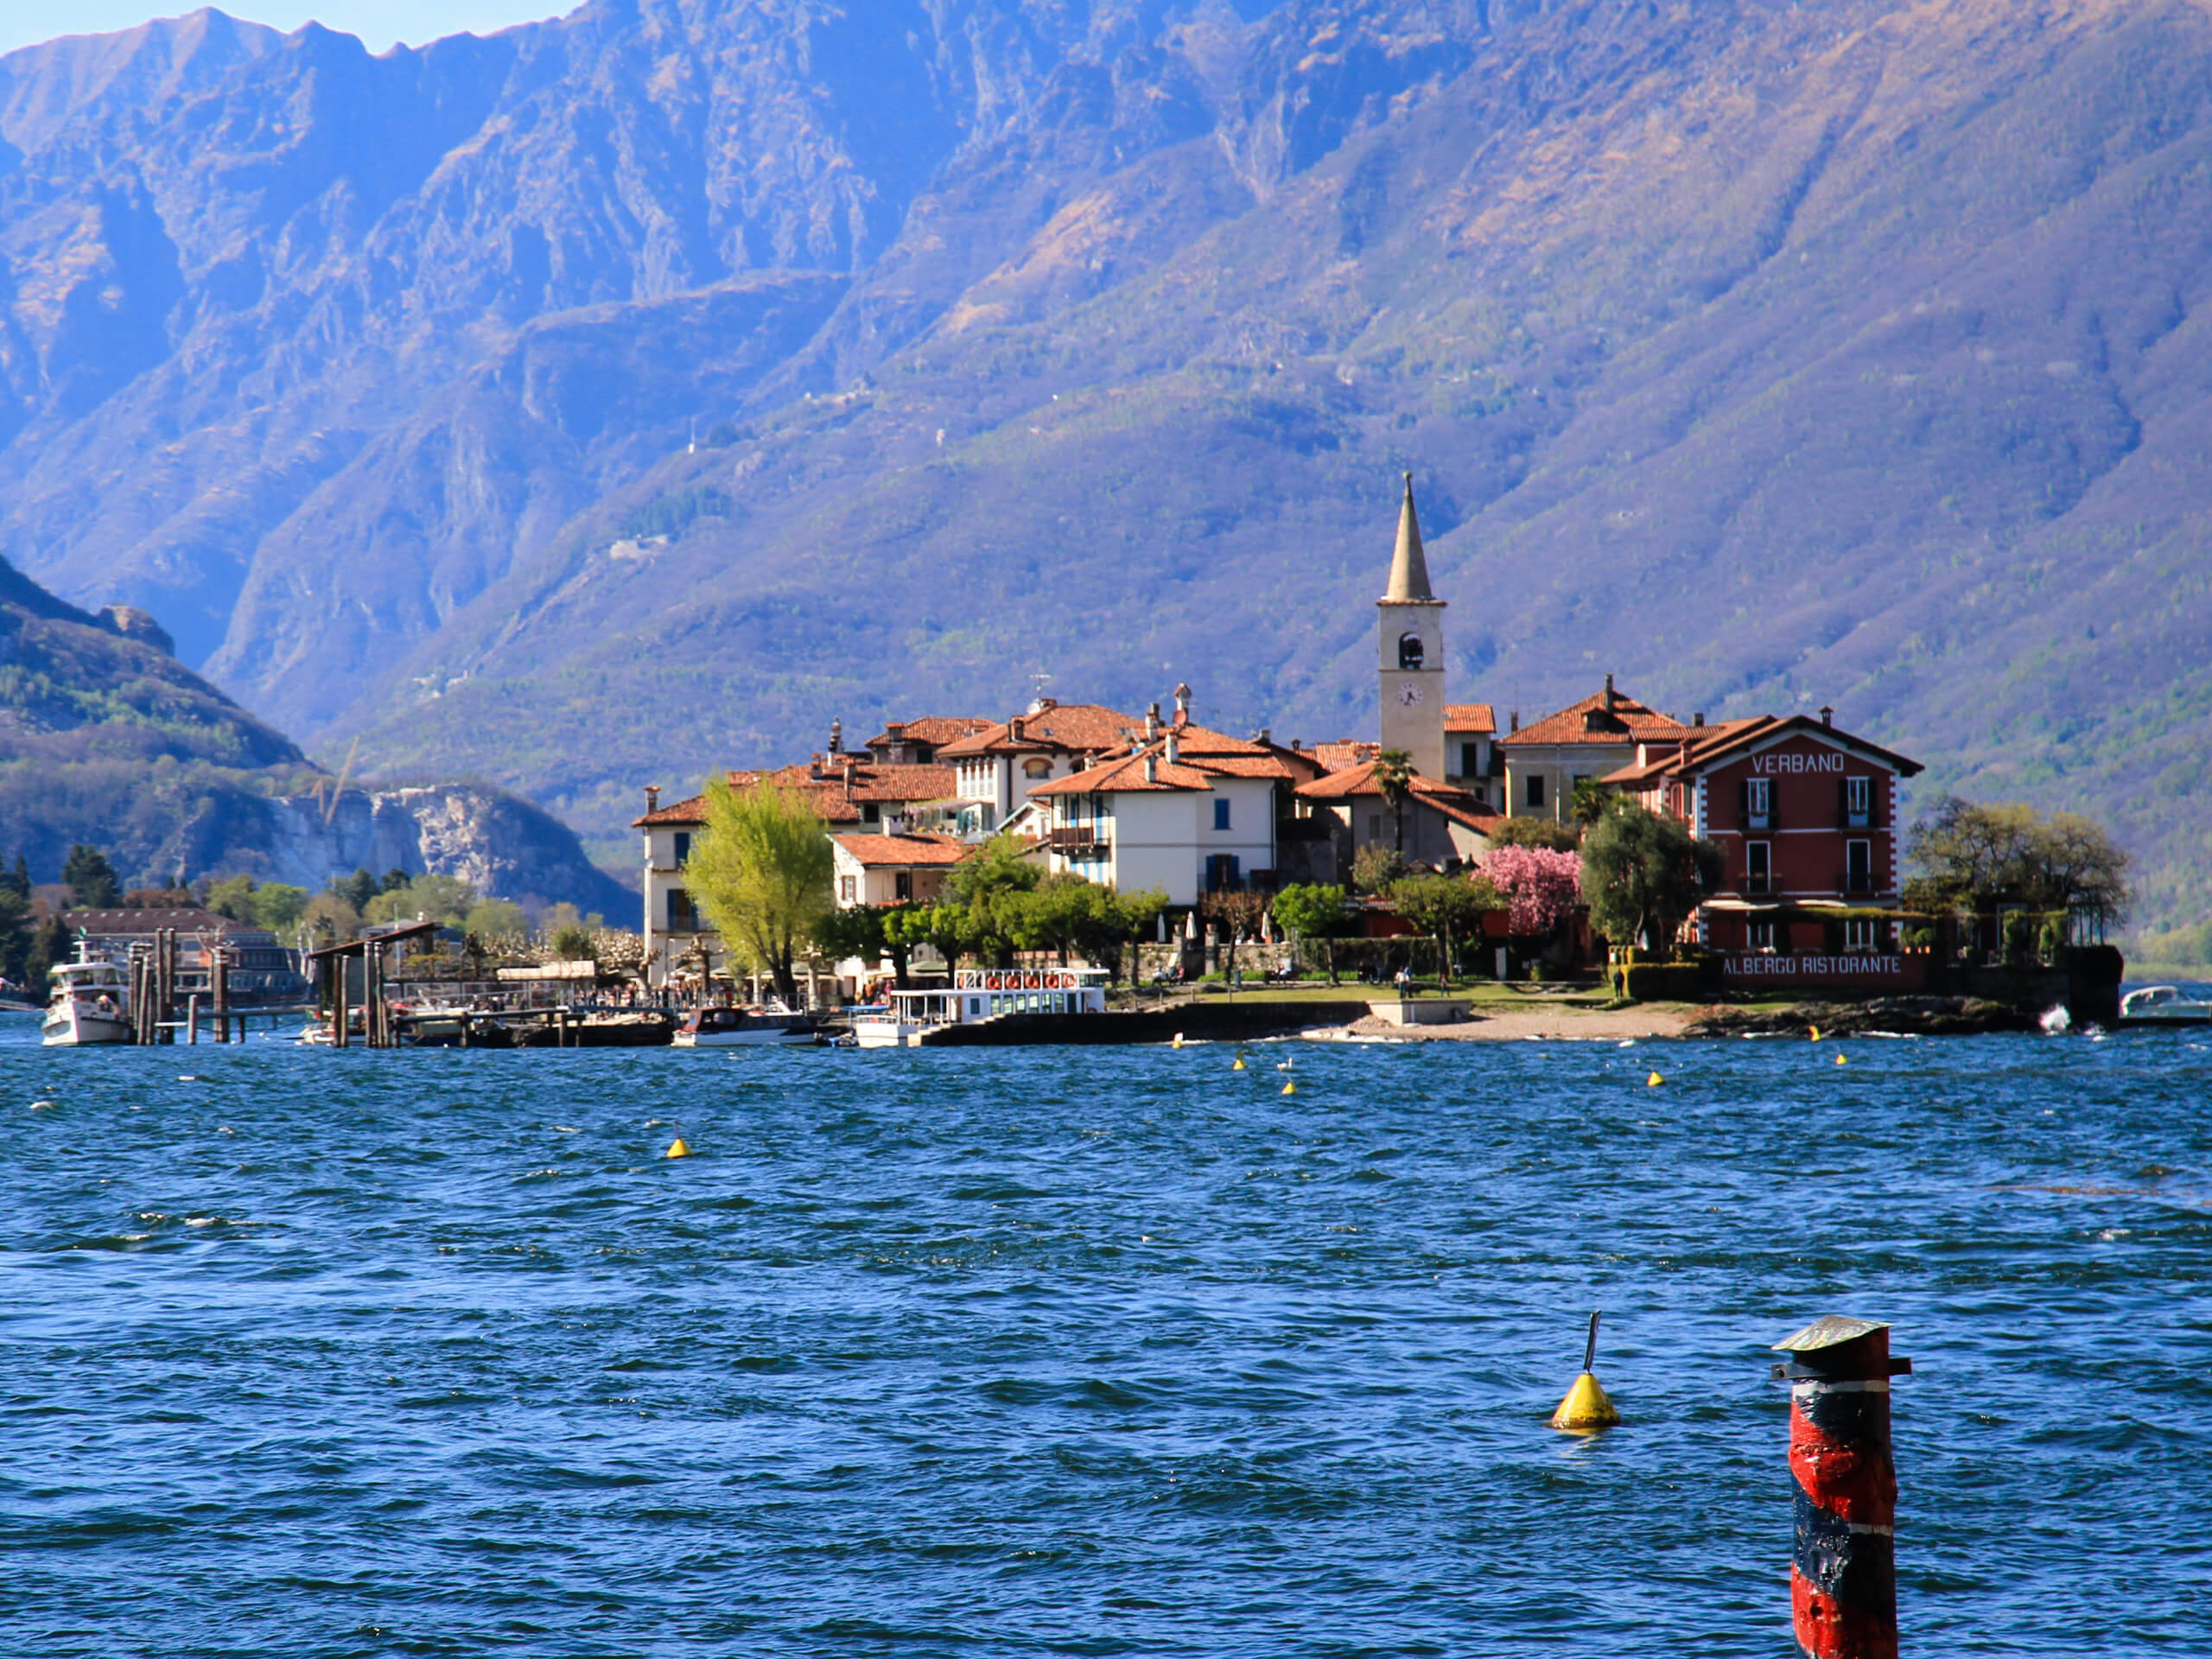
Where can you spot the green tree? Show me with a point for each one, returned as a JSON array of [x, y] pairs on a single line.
[[1642, 874], [232, 897], [356, 890], [91, 880], [1975, 857], [51, 943], [442, 899], [15, 934], [870, 932], [1393, 776], [496, 918], [945, 928], [760, 873], [1056, 915], [1589, 801], [992, 887], [18, 881], [1374, 868], [1117, 924], [277, 905], [1548, 834], [1312, 911], [1445, 907], [394, 880], [330, 919]]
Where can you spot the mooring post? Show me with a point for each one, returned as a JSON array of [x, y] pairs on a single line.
[[1843, 1578], [192, 1020], [341, 1018], [219, 971]]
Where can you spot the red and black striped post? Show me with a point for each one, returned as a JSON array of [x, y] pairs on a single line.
[[1843, 1581]]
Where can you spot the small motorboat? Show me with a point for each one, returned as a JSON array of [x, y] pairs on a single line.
[[757, 1027], [2165, 1005], [92, 1002]]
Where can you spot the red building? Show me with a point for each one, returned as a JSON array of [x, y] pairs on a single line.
[[1806, 817]]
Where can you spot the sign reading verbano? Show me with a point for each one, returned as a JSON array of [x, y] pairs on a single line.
[[1828, 762], [1760, 965]]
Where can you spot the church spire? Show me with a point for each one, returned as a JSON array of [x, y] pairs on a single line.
[[1409, 570]]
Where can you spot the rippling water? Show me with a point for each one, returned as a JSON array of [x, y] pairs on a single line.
[[1084, 1352]]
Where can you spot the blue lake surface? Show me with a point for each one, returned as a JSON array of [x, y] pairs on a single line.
[[1085, 1351]]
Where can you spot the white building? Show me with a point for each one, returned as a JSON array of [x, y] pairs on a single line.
[[893, 869]]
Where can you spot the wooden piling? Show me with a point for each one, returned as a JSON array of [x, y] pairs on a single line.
[[341, 1016], [219, 974], [1843, 1579], [192, 1020]]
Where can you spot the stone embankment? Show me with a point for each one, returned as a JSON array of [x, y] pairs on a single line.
[[1920, 1016]]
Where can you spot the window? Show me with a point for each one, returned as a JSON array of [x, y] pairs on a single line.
[[903, 884], [683, 848], [1375, 826], [847, 889], [1481, 793], [1221, 815], [1222, 872], [1470, 760], [1760, 936], [1409, 650], [681, 917], [1758, 866], [1859, 866], [1858, 935], [1535, 792], [1037, 767], [1758, 803], [870, 812], [1858, 801]]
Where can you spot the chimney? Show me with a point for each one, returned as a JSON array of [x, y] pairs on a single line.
[[1182, 703], [1152, 768], [1296, 744], [1152, 724], [1174, 750], [653, 798], [1516, 721], [837, 736], [1264, 736], [1698, 719], [896, 731], [1609, 694], [1014, 729], [1828, 715]]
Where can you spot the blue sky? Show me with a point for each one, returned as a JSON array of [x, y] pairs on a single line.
[[378, 22]]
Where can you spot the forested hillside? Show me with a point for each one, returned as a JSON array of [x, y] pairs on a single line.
[[1766, 355]]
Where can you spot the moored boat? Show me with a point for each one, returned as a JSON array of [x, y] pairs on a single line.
[[758, 1027], [91, 1003], [2165, 1005], [978, 995]]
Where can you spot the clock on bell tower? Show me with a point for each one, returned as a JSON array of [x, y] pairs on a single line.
[[1410, 647]]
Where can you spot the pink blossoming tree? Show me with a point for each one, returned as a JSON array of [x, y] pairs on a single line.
[[1544, 887]]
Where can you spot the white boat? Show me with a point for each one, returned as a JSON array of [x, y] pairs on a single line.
[[2166, 1004], [91, 1004], [978, 995], [775, 1026]]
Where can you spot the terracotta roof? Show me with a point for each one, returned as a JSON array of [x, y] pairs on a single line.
[[1344, 752], [1358, 781], [1728, 738], [872, 784], [1470, 717], [1298, 764], [933, 730], [1077, 727], [1127, 775], [1590, 722], [880, 851]]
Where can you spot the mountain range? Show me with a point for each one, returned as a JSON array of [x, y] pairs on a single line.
[[614, 396]]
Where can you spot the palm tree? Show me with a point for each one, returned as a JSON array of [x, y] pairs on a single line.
[[1394, 774]]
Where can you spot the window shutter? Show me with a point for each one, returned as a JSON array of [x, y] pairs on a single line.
[[1744, 804], [1843, 802]]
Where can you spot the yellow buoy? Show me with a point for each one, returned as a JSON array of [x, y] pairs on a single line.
[[1239, 1066], [1586, 1406], [1816, 1033], [1838, 1059], [1290, 1087], [1653, 1081], [677, 1149], [1178, 1043]]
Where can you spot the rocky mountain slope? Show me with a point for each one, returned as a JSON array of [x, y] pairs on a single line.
[[106, 738], [626, 393]]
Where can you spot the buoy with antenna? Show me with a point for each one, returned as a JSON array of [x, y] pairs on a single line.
[[677, 1149], [1239, 1066], [1178, 1041], [1586, 1408], [1289, 1084]]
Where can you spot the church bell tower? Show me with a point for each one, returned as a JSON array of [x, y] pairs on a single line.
[[1410, 644]]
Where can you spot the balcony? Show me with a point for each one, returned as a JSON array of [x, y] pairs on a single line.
[[1855, 881], [1755, 887], [1077, 840]]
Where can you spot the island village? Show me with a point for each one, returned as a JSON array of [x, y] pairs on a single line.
[[1800, 816]]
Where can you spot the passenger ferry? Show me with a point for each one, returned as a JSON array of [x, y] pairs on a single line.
[[978, 995], [745, 1028], [92, 1002]]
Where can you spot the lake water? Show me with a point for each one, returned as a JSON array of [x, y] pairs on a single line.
[[1085, 1351]]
